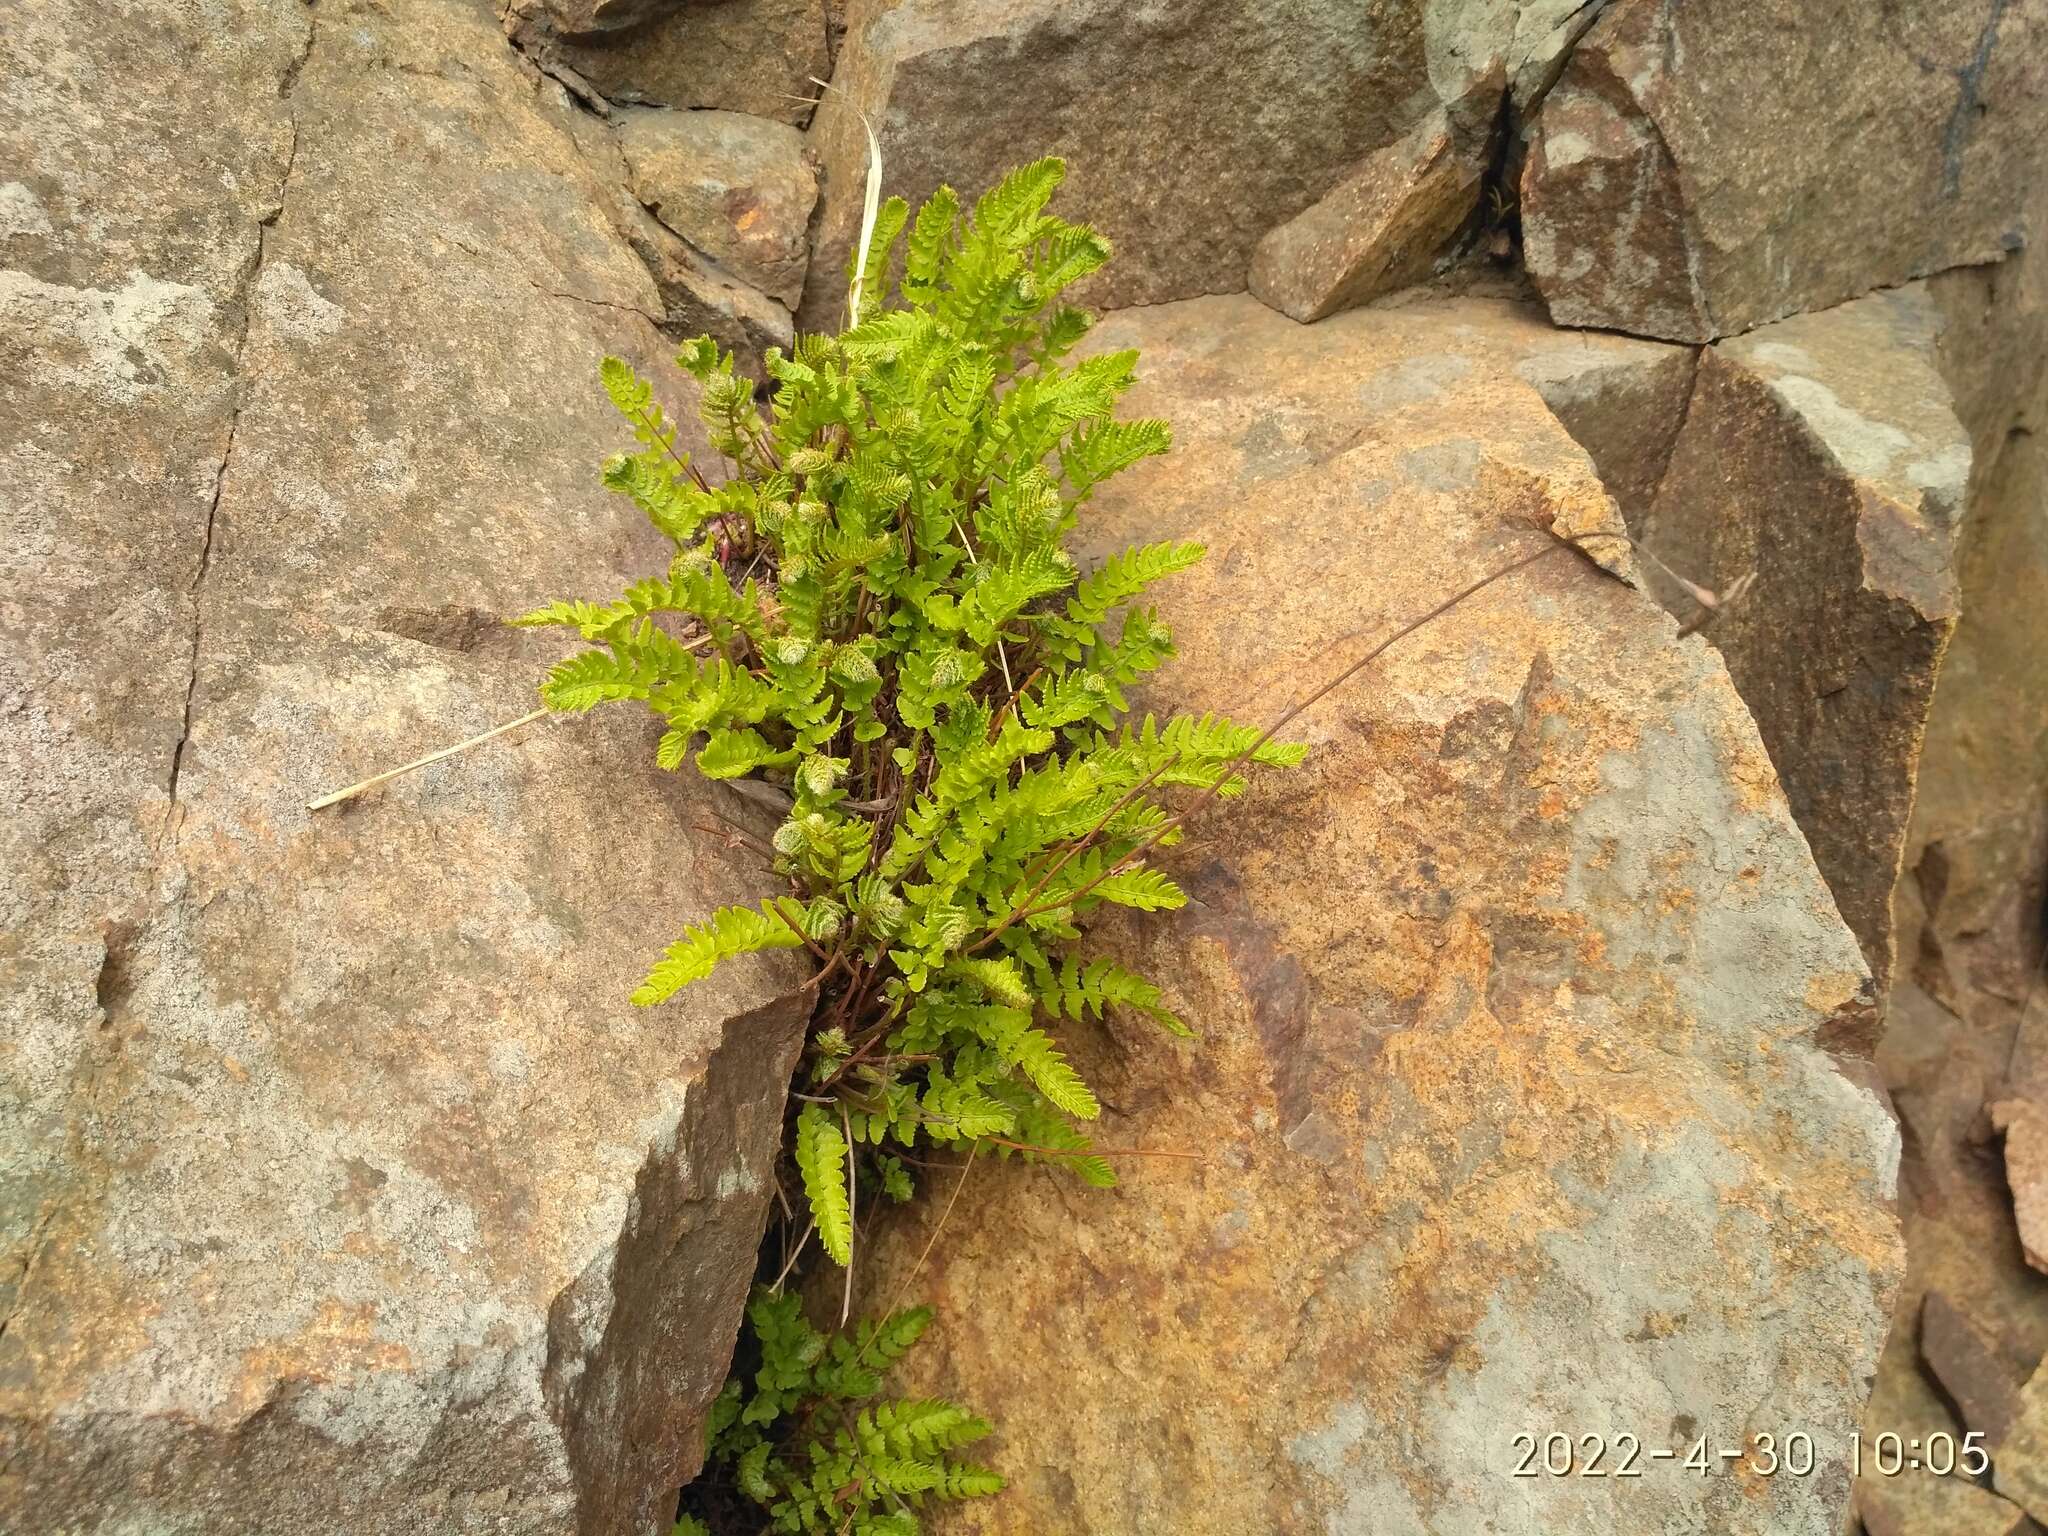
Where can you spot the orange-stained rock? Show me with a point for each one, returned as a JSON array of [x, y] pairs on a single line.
[[1513, 1111], [343, 1191]]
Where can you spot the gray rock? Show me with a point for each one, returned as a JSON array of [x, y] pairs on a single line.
[[1511, 1111], [578, 18], [1822, 455], [1703, 168], [753, 56], [734, 187], [2024, 1125], [343, 1191]]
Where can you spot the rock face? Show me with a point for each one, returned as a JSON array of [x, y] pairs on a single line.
[[733, 186], [1703, 168], [1921, 1504], [342, 1189], [1513, 1110], [1970, 910], [752, 56], [694, 295], [1288, 99], [1377, 230], [1823, 456], [2021, 1471]]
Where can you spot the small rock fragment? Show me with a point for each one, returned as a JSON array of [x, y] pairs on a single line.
[[1379, 229], [735, 187], [2025, 1125], [1965, 1360]]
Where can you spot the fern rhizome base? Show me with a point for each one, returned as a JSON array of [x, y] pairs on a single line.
[[872, 609]]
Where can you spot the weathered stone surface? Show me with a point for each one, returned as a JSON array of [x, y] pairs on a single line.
[[695, 296], [1623, 401], [2020, 1471], [343, 1190], [576, 18], [1921, 1504], [1967, 1363], [1823, 455], [1288, 99], [1511, 1107], [734, 187], [1969, 918], [1703, 168], [1980, 837], [1380, 228], [753, 56], [2024, 1125]]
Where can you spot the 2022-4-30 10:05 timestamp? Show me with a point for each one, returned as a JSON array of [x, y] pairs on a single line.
[[1761, 1455]]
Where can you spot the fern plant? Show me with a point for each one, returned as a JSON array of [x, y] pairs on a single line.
[[873, 608], [810, 1440]]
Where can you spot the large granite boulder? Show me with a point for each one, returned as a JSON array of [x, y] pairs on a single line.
[[342, 1189], [1823, 457], [1703, 168], [1517, 1109]]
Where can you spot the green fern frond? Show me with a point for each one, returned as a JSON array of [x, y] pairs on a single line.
[[820, 1153], [730, 931]]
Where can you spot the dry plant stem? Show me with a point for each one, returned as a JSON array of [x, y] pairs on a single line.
[[1025, 1146], [916, 1269], [433, 757], [1563, 543]]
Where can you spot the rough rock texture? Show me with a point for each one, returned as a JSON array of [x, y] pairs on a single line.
[[1703, 168], [1823, 454], [1379, 229], [733, 186], [753, 56], [1967, 1362], [577, 18], [1921, 1504], [1513, 1105], [1288, 98], [2021, 1470], [695, 295], [2024, 1125], [1623, 401], [342, 1191]]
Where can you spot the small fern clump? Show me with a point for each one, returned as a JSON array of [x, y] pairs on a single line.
[[883, 620], [815, 1445]]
